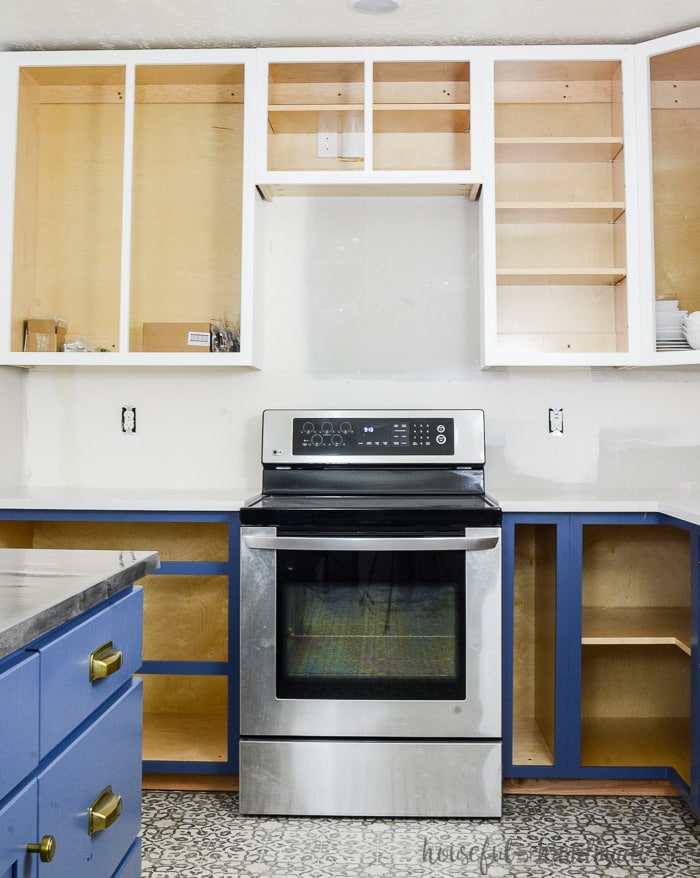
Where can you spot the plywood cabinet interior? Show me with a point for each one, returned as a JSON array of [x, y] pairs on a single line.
[[561, 260], [534, 644], [68, 201], [187, 196], [636, 645], [186, 639], [675, 133], [370, 120], [602, 652], [132, 206]]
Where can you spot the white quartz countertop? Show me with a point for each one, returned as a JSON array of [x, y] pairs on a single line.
[[128, 500], [41, 589], [681, 504]]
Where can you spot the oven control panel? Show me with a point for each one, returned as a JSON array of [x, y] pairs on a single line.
[[373, 435]]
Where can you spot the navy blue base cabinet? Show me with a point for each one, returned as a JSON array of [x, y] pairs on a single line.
[[70, 773], [190, 648], [601, 648]]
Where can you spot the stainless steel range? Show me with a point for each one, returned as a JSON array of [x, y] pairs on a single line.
[[371, 618]]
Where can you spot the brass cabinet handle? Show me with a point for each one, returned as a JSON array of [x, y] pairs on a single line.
[[104, 811], [104, 660], [46, 848]]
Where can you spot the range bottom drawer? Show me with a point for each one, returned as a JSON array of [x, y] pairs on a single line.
[[371, 778], [105, 754]]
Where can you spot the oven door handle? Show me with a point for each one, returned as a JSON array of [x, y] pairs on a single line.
[[371, 544]]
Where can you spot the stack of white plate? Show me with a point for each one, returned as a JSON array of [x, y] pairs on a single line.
[[669, 325], [691, 329]]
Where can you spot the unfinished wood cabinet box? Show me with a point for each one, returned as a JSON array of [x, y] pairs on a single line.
[[187, 195], [186, 714], [635, 670], [310, 107], [534, 644], [130, 198], [68, 201], [675, 132], [420, 116], [560, 208]]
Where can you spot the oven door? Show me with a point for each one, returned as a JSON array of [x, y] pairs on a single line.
[[371, 635]]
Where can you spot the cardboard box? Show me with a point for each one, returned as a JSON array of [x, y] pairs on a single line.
[[177, 337], [45, 335]]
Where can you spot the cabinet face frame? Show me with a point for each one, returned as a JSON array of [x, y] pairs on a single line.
[[367, 168], [645, 54], [10, 67], [626, 320]]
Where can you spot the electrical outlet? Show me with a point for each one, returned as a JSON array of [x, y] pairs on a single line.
[[128, 419], [556, 420], [327, 145]]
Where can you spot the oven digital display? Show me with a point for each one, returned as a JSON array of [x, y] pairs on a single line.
[[429, 436]]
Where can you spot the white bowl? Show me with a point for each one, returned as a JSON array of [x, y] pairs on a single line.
[[693, 338]]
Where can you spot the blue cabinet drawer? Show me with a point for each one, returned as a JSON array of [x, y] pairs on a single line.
[[130, 866], [69, 691], [19, 720], [105, 754], [17, 830]]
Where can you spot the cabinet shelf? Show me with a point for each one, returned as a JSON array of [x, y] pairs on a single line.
[[606, 626], [306, 118], [558, 149], [559, 212], [560, 276]]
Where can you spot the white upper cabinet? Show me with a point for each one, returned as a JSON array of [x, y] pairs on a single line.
[[560, 274], [128, 206], [668, 85], [376, 120]]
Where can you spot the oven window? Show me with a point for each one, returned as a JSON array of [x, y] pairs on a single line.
[[371, 625]]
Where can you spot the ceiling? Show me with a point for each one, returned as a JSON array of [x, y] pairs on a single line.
[[111, 24]]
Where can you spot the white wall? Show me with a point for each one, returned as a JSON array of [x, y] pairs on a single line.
[[368, 303], [12, 426]]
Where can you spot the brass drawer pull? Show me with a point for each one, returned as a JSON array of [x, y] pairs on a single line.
[[46, 848], [104, 660], [104, 811]]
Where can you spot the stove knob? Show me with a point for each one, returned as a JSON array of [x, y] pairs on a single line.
[[317, 439], [336, 439], [307, 428], [346, 427]]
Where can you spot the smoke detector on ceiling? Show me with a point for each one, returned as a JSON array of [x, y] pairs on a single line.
[[375, 7]]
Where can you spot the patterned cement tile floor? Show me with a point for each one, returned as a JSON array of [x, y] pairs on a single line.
[[202, 834]]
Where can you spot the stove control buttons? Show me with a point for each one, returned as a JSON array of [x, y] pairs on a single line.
[[374, 435]]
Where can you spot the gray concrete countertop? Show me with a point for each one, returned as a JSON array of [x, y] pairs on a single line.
[[41, 589]]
